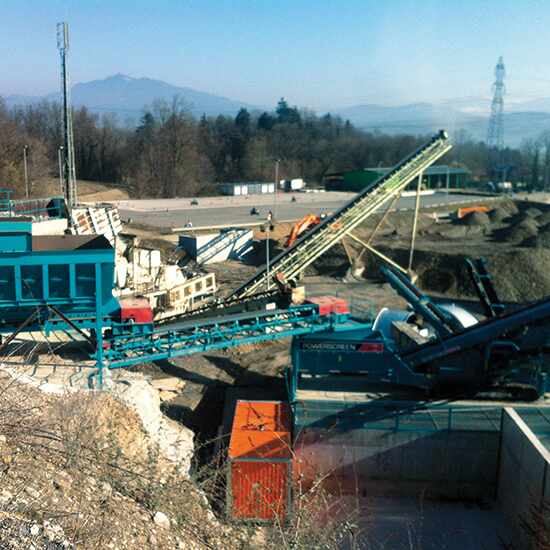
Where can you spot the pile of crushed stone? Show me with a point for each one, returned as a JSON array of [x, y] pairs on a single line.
[[509, 206], [452, 232], [476, 218], [533, 212], [540, 240], [517, 233], [497, 215], [544, 218], [524, 217], [521, 275]]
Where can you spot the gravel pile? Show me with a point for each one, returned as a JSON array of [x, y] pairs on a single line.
[[509, 206], [519, 232], [522, 275], [544, 218], [497, 215], [533, 212], [476, 218], [540, 240], [524, 218]]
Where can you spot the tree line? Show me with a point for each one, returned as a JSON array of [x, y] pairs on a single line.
[[170, 153]]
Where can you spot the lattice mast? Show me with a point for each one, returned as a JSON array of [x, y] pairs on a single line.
[[495, 133], [69, 172]]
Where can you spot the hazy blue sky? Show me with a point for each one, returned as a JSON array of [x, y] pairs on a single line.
[[317, 53]]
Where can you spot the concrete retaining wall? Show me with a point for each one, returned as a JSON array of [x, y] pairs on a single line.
[[232, 246], [524, 475], [444, 464]]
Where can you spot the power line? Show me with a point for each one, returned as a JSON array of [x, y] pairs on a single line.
[[495, 133]]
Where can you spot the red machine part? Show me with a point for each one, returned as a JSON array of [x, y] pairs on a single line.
[[136, 310], [329, 304], [372, 347]]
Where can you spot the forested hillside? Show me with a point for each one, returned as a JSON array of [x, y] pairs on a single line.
[[171, 153]]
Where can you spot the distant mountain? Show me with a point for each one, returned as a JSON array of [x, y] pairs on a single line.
[[426, 118], [539, 105], [421, 115], [127, 96]]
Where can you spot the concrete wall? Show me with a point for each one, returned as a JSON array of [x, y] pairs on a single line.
[[451, 464], [524, 476], [232, 249]]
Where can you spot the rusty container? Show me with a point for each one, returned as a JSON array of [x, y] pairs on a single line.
[[259, 470]]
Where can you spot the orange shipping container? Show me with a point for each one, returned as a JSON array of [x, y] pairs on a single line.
[[259, 474]]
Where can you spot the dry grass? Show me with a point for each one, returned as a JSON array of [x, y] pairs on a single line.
[[89, 191], [84, 464]]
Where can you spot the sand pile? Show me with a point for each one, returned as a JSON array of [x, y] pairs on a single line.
[[476, 218]]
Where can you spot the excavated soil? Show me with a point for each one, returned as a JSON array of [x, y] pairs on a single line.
[[533, 212], [497, 215], [476, 218], [517, 231], [544, 218], [513, 238], [542, 240]]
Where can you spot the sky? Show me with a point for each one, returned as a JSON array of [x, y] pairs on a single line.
[[319, 54]]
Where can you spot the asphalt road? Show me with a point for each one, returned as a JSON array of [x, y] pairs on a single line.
[[235, 215]]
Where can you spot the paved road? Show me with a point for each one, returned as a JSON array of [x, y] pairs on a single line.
[[288, 211]]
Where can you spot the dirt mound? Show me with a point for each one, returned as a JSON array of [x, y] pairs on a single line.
[[540, 240], [533, 212], [333, 263], [521, 275], [452, 232], [544, 218], [476, 218], [524, 218], [509, 206], [497, 215], [517, 233]]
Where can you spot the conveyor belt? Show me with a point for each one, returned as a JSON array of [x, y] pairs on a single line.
[[307, 249], [188, 337], [489, 330]]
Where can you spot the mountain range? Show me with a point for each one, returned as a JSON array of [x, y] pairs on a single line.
[[127, 97]]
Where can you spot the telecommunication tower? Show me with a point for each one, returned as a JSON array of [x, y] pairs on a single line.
[[495, 134], [69, 172]]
